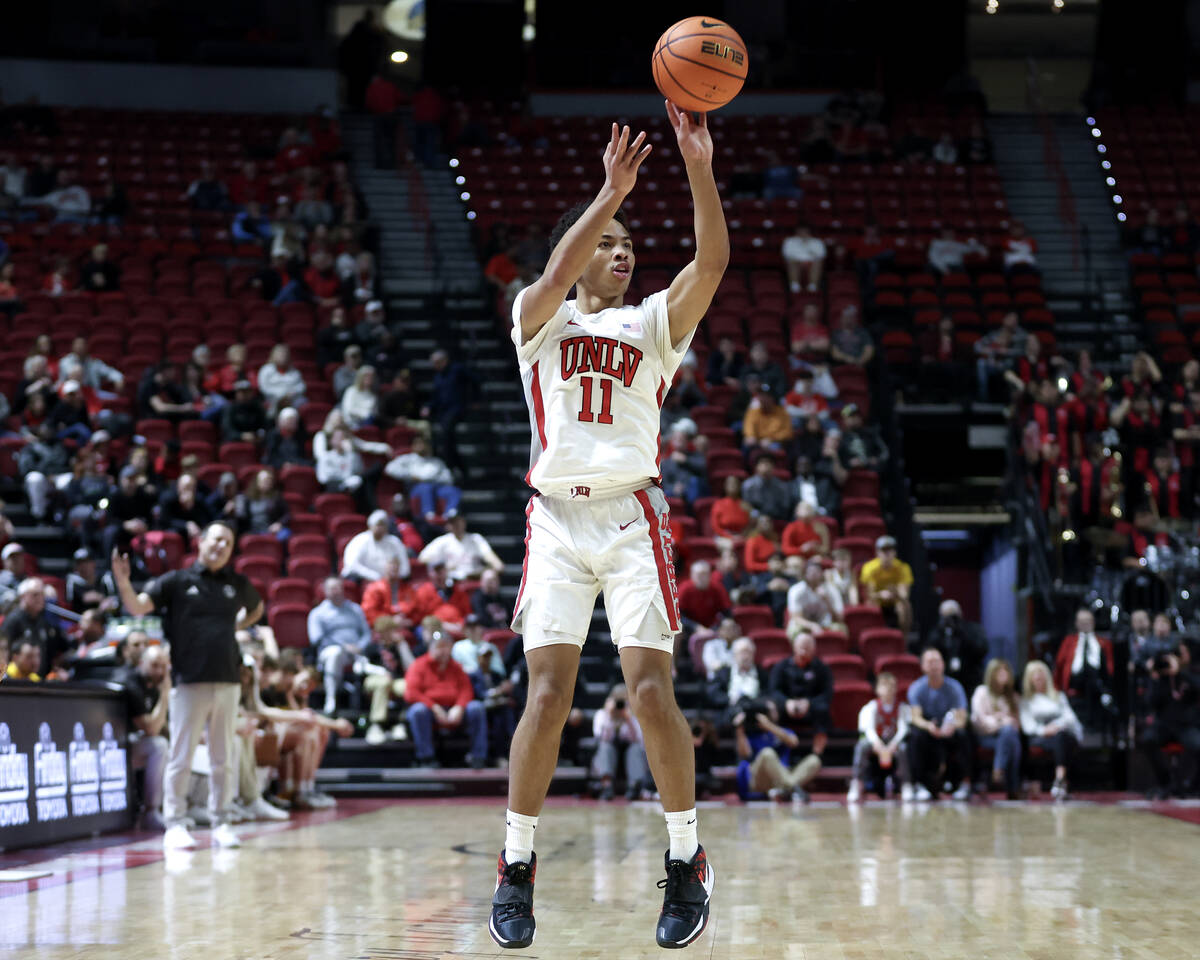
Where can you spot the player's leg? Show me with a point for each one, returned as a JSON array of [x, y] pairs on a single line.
[[534, 752], [689, 882]]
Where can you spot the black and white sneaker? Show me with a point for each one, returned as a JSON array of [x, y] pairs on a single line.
[[511, 924], [685, 902]]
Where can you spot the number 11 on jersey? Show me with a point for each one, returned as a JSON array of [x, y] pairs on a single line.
[[606, 389]]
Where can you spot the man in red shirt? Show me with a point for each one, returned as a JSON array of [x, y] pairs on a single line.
[[703, 602], [440, 692], [439, 597], [392, 596]]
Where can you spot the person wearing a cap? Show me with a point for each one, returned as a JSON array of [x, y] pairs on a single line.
[[69, 417], [859, 447], [13, 557], [465, 555], [767, 425], [888, 582], [29, 622], [366, 556], [373, 323], [87, 590]]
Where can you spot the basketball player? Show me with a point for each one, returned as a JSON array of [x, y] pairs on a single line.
[[595, 372]]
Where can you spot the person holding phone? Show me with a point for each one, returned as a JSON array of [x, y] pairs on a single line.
[[618, 733]]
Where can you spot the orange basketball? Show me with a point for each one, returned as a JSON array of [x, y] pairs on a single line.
[[700, 64]]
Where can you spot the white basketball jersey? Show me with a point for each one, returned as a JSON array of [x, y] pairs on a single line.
[[594, 384]]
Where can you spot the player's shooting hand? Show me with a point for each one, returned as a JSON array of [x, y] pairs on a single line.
[[695, 143], [622, 159]]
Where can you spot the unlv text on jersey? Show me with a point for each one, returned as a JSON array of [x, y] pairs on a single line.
[[600, 355]]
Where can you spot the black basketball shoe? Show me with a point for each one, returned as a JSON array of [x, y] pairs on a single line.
[[685, 902], [512, 924]]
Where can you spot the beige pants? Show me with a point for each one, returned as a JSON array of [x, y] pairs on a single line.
[[196, 707], [382, 688], [767, 772]]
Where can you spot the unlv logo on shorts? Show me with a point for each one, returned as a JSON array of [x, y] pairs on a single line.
[[580, 492]]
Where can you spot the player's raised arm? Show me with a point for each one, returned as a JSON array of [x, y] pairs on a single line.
[[692, 290], [571, 256]]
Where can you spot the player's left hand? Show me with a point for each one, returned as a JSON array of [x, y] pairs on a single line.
[[695, 144]]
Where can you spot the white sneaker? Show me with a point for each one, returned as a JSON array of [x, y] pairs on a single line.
[[375, 735], [399, 732], [923, 794], [239, 814], [267, 811], [223, 836], [323, 800], [854, 794], [906, 793], [178, 838], [963, 792]]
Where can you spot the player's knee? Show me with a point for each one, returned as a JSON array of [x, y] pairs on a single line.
[[547, 704], [652, 697]]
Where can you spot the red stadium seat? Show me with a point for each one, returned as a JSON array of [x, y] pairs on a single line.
[[261, 545], [290, 590], [861, 549], [238, 454], [877, 642], [500, 639], [289, 621], [257, 568], [848, 700], [345, 525], [904, 667], [312, 569], [867, 527], [831, 643], [306, 523], [861, 617], [295, 478], [160, 431], [751, 617], [768, 643], [331, 504], [846, 668], [308, 545]]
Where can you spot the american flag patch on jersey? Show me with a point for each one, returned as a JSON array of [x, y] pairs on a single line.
[[634, 326]]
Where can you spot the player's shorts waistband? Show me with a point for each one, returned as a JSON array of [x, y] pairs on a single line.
[[583, 493]]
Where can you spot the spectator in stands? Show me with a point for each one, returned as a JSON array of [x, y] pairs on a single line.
[[947, 254], [995, 718], [45, 464], [802, 688], [313, 209], [333, 341], [888, 581], [470, 648], [262, 509], [13, 179], [961, 643], [804, 260], [338, 630], [281, 384], [245, 419], [247, 186], [69, 417], [882, 726], [86, 589], [390, 596], [489, 608], [813, 484], [251, 226], [1083, 670], [440, 693], [207, 191], [938, 749], [997, 351], [37, 379], [344, 375], [428, 478], [618, 734], [465, 555], [779, 179], [809, 338], [804, 537], [233, 371], [98, 274], [182, 511], [719, 652], [804, 401], [450, 392], [29, 622], [812, 604], [361, 285], [764, 371], [400, 404], [147, 690], [323, 438], [945, 151], [764, 755], [414, 533], [1049, 723], [69, 200], [287, 441], [770, 586], [495, 691], [859, 447], [841, 577], [725, 364], [23, 664], [89, 371], [703, 602], [766, 494], [731, 514], [850, 343], [767, 425], [360, 402], [1019, 251], [976, 148], [367, 554], [322, 286], [372, 326], [12, 572], [441, 601], [684, 464]]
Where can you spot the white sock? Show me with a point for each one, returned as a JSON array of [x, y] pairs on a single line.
[[681, 827], [306, 786], [518, 837]]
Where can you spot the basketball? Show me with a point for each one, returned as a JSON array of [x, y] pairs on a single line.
[[700, 64]]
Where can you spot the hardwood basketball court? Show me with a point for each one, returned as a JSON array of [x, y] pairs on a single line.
[[411, 880]]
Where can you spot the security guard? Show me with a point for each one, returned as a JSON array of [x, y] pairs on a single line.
[[201, 608]]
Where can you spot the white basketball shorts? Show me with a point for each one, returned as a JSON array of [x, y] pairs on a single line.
[[574, 549]]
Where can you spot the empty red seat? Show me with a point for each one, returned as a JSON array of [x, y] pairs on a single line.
[[751, 617], [903, 666], [331, 504], [238, 453], [261, 545], [846, 668], [257, 568], [345, 525], [769, 643], [309, 545], [290, 590], [861, 617], [876, 642], [289, 621], [312, 569], [295, 478], [848, 700]]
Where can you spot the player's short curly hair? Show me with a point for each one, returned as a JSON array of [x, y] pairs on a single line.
[[571, 217]]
